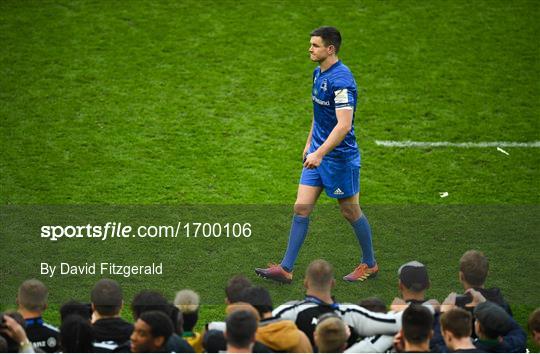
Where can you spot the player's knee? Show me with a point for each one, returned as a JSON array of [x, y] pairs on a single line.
[[350, 212], [302, 209]]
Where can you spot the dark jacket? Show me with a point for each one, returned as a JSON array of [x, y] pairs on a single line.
[[495, 295], [112, 329]]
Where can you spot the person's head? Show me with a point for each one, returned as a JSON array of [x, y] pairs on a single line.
[[492, 321], [148, 300], [330, 334], [319, 276], [373, 304], [74, 307], [456, 324], [259, 298], [534, 325], [32, 296], [151, 332], [177, 320], [235, 287], [242, 306], [187, 301], [417, 325], [214, 341], [76, 335], [473, 269], [241, 327], [106, 297], [325, 42], [413, 279]]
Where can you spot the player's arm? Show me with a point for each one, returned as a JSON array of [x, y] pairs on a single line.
[[344, 124], [308, 141]]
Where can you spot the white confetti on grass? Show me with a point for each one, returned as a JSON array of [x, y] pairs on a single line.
[[501, 150]]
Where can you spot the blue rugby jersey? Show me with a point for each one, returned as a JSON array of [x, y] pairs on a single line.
[[333, 89]]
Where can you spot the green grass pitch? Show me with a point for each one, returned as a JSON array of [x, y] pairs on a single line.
[[207, 103]]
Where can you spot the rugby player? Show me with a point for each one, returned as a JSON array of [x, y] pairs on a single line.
[[331, 159]]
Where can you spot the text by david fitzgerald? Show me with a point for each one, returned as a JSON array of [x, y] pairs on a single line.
[[106, 269]]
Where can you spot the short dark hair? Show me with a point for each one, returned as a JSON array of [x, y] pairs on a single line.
[[107, 297], [177, 319], [241, 327], [458, 322], [160, 324], [373, 304], [259, 298], [474, 266], [74, 307], [330, 36], [76, 335], [214, 341], [235, 287], [148, 300], [417, 323]]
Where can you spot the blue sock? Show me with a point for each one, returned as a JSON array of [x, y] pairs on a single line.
[[299, 228], [363, 234]]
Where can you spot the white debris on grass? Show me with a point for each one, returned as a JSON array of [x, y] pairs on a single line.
[[501, 150]]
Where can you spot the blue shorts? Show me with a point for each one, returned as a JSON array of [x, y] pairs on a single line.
[[340, 179]]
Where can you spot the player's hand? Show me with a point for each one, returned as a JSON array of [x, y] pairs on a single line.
[[435, 303], [398, 305], [399, 345], [313, 160], [449, 303], [304, 154], [477, 298], [14, 330]]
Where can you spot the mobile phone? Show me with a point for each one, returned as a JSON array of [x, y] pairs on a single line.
[[462, 300]]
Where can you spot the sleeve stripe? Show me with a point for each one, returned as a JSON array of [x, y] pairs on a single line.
[[278, 314], [344, 107], [365, 314]]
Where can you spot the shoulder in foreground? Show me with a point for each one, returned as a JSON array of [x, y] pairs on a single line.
[[51, 327], [288, 306]]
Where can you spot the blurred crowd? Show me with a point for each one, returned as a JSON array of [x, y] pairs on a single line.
[[478, 320]]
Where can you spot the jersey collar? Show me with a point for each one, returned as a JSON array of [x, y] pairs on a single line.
[[337, 63], [34, 321]]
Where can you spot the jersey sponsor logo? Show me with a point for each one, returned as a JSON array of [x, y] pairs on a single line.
[[51, 342], [338, 192], [342, 96], [319, 101]]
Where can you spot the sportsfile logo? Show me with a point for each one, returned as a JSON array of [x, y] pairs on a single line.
[[120, 230]]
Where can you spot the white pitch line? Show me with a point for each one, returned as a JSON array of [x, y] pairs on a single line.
[[482, 144]]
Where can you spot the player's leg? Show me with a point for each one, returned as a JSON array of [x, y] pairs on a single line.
[[305, 202], [309, 189], [350, 208]]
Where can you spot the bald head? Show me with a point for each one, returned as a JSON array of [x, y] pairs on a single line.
[[319, 275]]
